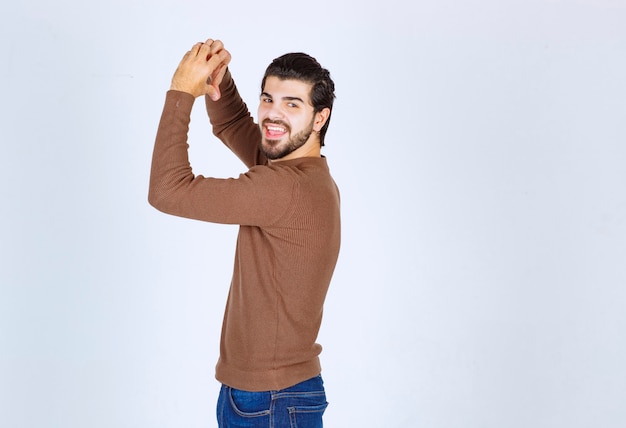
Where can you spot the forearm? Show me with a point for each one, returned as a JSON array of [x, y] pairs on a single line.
[[233, 124], [170, 161]]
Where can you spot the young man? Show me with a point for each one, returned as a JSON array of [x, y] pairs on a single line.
[[287, 206]]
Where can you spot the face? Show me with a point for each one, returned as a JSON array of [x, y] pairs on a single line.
[[286, 117]]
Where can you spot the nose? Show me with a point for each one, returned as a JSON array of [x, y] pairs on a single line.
[[274, 112]]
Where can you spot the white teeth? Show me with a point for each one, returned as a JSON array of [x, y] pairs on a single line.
[[275, 128]]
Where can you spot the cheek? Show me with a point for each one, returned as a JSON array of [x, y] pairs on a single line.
[[264, 109]]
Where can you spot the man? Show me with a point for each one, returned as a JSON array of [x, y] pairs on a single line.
[[287, 206]]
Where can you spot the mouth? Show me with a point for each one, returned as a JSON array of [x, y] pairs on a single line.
[[274, 131]]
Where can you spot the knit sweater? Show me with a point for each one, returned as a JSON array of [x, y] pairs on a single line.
[[287, 246]]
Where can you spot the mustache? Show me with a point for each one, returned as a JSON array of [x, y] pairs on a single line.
[[275, 122]]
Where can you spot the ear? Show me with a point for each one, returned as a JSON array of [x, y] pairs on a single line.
[[320, 119]]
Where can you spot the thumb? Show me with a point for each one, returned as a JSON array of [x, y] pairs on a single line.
[[213, 90]]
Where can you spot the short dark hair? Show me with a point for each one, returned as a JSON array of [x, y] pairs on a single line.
[[303, 67]]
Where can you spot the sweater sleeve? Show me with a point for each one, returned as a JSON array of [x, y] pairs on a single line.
[[233, 124], [259, 197]]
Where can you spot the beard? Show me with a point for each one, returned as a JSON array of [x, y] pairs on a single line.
[[274, 149]]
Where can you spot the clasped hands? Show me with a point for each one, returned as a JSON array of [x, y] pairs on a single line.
[[202, 69]]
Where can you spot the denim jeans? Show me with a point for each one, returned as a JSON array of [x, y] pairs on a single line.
[[299, 406]]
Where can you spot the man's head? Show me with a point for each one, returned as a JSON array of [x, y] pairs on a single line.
[[301, 77]]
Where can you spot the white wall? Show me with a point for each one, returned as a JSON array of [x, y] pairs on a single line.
[[480, 150]]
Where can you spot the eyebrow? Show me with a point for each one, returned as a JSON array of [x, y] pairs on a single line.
[[265, 94]]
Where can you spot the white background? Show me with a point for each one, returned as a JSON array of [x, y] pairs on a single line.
[[480, 149]]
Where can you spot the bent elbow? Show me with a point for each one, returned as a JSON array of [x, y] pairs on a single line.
[[152, 200], [155, 199]]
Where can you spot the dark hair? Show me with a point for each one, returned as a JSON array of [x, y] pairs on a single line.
[[303, 67]]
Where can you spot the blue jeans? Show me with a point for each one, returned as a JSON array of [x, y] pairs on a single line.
[[299, 406]]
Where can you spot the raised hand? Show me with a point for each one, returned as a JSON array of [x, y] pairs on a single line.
[[201, 70]]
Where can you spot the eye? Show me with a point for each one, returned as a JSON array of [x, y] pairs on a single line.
[[292, 105], [266, 100]]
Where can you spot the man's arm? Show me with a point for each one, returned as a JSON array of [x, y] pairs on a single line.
[[258, 197], [233, 124], [199, 72]]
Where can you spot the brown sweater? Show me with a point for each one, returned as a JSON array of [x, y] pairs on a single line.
[[287, 246]]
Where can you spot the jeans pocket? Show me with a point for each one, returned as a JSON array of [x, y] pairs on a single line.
[[249, 404], [307, 416]]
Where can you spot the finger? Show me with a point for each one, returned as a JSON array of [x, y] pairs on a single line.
[[216, 46], [205, 49], [219, 62], [218, 75], [195, 49], [191, 52], [213, 86], [213, 92]]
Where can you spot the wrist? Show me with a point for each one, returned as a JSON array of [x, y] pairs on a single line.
[[180, 88]]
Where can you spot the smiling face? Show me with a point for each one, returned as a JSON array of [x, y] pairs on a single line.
[[287, 120]]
